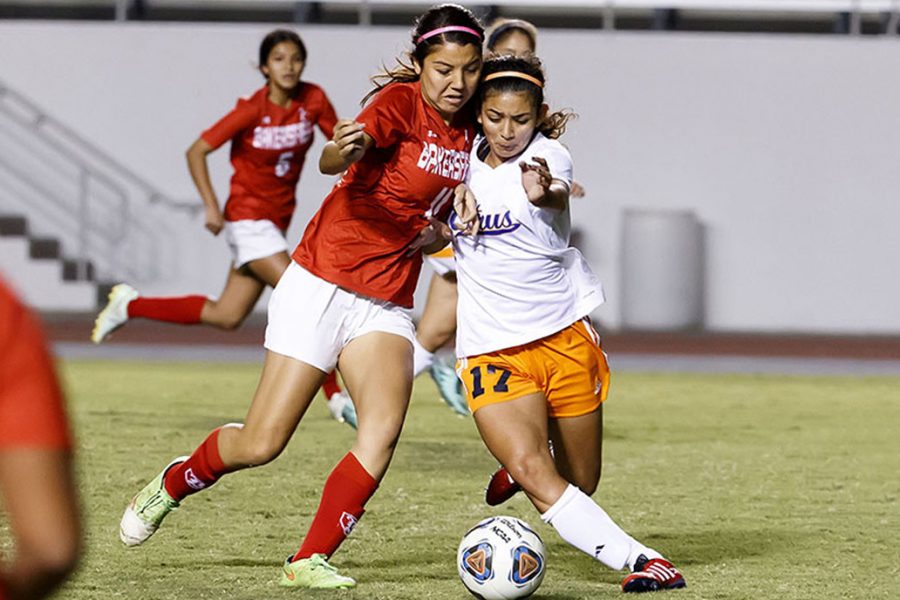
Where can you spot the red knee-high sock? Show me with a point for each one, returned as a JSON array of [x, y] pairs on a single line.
[[330, 385], [182, 309], [201, 470], [343, 502]]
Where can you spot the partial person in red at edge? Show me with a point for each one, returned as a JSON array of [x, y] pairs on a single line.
[[346, 297], [37, 483], [270, 133]]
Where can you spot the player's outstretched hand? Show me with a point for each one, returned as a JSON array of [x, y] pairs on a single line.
[[214, 220], [350, 140], [466, 209], [536, 179]]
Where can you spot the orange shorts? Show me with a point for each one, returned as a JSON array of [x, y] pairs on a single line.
[[568, 367]]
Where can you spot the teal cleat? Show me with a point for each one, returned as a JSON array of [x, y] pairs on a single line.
[[449, 386], [342, 408]]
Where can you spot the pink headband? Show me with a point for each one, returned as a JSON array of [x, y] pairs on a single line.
[[446, 29]]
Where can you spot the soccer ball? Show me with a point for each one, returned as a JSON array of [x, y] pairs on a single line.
[[501, 558]]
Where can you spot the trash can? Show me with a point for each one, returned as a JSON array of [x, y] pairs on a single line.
[[662, 270]]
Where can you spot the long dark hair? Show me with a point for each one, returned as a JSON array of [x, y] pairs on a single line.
[[553, 125], [273, 38], [436, 17]]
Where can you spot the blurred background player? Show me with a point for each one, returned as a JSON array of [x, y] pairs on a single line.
[[347, 294], [37, 484], [437, 326], [270, 133], [530, 360]]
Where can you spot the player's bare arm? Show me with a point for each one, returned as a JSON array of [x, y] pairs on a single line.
[[196, 159], [540, 187], [348, 144]]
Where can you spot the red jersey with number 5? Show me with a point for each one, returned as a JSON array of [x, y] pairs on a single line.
[[359, 239], [268, 148]]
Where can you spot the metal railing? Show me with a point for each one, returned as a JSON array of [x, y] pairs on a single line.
[[101, 211]]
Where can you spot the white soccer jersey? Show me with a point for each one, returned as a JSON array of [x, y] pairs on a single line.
[[519, 280]]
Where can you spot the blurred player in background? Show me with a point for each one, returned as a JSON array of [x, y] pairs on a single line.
[[346, 296], [270, 133], [37, 485], [530, 360]]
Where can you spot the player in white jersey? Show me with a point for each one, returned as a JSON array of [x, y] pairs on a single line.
[[505, 37], [530, 361]]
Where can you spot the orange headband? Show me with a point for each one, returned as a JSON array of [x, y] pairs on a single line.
[[518, 74]]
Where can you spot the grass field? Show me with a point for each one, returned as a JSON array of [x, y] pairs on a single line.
[[756, 486]]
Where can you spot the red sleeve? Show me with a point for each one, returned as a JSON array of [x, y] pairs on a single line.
[[31, 405], [241, 117], [327, 117], [387, 117]]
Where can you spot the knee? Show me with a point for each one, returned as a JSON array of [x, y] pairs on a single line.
[[528, 470], [256, 451]]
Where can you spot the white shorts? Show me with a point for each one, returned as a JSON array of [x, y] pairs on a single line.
[[252, 240], [442, 262], [311, 320]]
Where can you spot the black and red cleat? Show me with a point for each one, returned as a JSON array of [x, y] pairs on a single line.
[[652, 575], [500, 488]]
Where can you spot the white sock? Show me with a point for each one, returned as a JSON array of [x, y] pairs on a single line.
[[582, 523], [422, 358]]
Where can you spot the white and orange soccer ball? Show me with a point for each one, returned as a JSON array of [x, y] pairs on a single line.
[[501, 558]]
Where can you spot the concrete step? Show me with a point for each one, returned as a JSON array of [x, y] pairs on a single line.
[[13, 225], [44, 248], [74, 269]]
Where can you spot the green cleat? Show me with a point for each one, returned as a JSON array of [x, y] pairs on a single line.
[[313, 573], [147, 510]]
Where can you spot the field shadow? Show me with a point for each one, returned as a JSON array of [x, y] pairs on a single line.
[[715, 545], [268, 563]]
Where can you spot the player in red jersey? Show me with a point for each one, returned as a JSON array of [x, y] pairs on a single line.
[[270, 133], [36, 477], [346, 297]]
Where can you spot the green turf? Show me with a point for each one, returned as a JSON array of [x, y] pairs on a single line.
[[756, 486]]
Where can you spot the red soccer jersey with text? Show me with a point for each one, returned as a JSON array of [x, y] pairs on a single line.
[[31, 405], [360, 236], [268, 148]]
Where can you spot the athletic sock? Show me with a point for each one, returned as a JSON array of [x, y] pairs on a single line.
[[582, 523], [344, 497], [182, 309], [330, 385], [422, 358], [202, 469]]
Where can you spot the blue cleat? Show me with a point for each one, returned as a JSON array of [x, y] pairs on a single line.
[[449, 386], [342, 409]]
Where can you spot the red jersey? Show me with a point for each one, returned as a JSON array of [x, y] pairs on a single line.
[[31, 405], [268, 148], [360, 236]]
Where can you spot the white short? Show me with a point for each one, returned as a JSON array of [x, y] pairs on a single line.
[[252, 240], [311, 319], [442, 262]]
